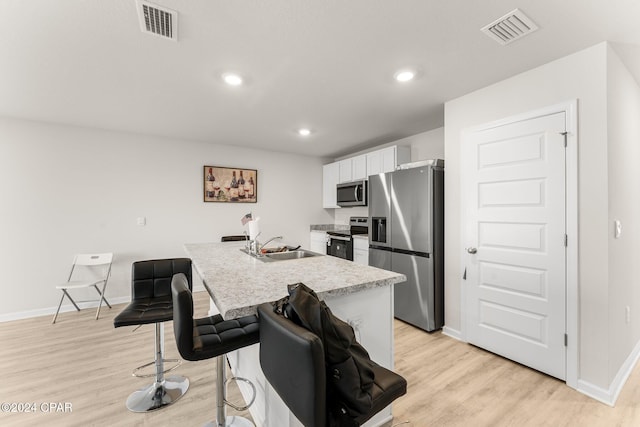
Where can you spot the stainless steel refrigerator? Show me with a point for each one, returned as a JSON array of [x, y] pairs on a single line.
[[406, 235]]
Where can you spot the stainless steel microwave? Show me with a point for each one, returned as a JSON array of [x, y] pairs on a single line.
[[352, 193]]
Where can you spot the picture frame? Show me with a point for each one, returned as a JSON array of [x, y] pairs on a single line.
[[229, 185]]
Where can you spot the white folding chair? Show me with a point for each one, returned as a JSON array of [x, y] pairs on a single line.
[[101, 264]]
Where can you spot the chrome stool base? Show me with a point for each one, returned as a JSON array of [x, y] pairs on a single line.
[[158, 395], [135, 372], [234, 421]]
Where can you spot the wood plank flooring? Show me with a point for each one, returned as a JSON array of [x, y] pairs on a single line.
[[88, 364]]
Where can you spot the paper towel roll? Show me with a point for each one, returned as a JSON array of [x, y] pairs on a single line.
[[254, 228]]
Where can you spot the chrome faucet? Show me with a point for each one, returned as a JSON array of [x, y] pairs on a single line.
[[253, 244], [259, 249]]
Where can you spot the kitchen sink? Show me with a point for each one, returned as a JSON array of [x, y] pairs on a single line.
[[282, 256]]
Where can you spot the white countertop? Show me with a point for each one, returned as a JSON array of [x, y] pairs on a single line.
[[240, 282]]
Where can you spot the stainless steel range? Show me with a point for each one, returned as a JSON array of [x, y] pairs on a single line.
[[340, 242]]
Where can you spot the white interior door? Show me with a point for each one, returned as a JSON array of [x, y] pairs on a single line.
[[514, 208]]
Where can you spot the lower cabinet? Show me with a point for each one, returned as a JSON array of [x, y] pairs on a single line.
[[361, 250], [318, 242]]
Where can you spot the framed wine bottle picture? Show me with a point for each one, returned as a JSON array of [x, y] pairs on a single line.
[[230, 185]]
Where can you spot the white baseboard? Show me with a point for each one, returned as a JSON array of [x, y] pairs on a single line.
[[50, 311], [593, 391], [610, 396], [453, 333]]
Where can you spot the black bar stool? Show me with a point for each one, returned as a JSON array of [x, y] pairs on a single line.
[[292, 359], [208, 337], [151, 303]]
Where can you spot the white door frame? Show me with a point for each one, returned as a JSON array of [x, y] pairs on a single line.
[[570, 108]]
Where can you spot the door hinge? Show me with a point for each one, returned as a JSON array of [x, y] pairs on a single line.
[[565, 137], [566, 240], [566, 340]]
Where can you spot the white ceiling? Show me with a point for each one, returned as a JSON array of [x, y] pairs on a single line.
[[324, 64]]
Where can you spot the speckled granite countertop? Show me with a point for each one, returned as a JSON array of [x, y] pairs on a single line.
[[239, 282]]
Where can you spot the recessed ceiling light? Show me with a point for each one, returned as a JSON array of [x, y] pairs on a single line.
[[404, 75], [232, 79], [304, 132]]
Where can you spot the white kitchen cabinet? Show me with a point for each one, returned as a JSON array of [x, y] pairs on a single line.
[[361, 250], [387, 159], [345, 170], [330, 178], [353, 168], [374, 162], [318, 242], [359, 167]]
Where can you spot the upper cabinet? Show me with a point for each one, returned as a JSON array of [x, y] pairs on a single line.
[[353, 168], [330, 178], [345, 170], [360, 167], [387, 159]]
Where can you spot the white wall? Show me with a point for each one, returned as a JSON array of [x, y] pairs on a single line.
[[67, 190], [427, 145], [342, 215], [624, 205], [579, 76]]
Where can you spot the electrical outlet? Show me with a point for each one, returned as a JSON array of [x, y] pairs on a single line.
[[627, 312]]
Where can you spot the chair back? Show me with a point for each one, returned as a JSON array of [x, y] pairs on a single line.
[[236, 238], [91, 261], [182, 315], [292, 359], [152, 278]]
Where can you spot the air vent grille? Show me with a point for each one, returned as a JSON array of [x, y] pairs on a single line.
[[157, 20], [511, 27]]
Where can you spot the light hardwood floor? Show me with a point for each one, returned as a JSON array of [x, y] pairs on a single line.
[[88, 364]]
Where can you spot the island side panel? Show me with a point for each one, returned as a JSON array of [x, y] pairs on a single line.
[[370, 312]]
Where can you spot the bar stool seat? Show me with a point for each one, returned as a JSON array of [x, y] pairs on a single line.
[[208, 337], [151, 302]]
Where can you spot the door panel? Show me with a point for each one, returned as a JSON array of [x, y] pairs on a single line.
[[412, 299], [379, 258], [515, 214], [411, 199]]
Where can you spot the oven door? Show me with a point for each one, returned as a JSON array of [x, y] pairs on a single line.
[[341, 247]]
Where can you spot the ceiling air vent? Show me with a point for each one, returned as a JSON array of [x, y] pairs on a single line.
[[157, 20], [510, 27]]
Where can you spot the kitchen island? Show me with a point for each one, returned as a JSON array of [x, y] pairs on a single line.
[[238, 283]]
